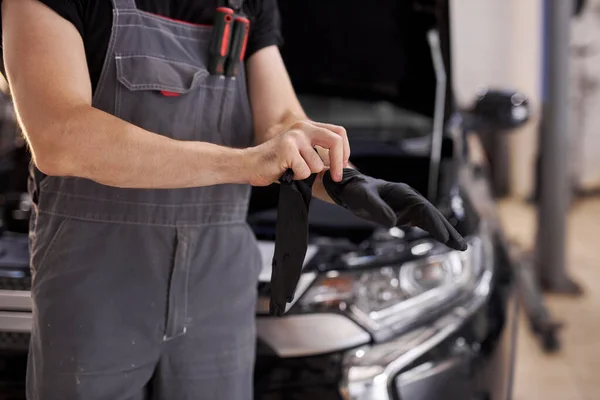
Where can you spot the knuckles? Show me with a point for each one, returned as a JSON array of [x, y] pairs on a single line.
[[291, 139], [301, 125], [340, 130], [317, 167]]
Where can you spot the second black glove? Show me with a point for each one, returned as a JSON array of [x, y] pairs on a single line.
[[391, 204]]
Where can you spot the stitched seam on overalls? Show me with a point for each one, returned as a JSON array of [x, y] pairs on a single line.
[[128, 55], [186, 289], [156, 86], [145, 14], [179, 319], [169, 225], [162, 32], [235, 203]]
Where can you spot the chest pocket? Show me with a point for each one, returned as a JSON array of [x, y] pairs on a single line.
[[174, 99]]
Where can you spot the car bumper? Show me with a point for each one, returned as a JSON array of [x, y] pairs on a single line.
[[15, 320], [475, 363], [15, 311], [472, 360]]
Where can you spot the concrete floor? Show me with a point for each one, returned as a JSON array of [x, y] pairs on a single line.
[[573, 373]]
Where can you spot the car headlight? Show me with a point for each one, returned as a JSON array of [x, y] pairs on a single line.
[[392, 298]]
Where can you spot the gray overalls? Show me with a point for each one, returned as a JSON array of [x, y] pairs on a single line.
[[148, 294]]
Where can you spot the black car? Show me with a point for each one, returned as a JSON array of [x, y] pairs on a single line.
[[378, 314]]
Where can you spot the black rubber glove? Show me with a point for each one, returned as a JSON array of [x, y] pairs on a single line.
[[391, 204], [291, 239]]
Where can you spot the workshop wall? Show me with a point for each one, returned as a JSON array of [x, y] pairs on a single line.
[[498, 44], [585, 98]]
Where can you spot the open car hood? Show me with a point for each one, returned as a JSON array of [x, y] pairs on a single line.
[[365, 50], [367, 66]]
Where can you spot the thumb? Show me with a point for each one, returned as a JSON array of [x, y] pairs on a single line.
[[300, 168]]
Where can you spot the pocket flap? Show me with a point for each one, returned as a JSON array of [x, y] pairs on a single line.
[[143, 72]]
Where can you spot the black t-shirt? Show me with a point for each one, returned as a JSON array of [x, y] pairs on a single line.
[[93, 20]]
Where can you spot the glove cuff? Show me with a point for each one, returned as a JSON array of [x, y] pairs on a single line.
[[334, 188]]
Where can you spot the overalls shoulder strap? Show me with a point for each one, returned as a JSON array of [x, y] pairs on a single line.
[[124, 4]]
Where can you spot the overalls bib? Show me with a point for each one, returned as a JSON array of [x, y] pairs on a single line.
[[148, 294]]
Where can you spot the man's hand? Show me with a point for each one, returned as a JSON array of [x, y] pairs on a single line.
[[285, 136], [295, 149]]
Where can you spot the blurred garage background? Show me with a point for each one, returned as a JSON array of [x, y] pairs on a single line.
[[508, 51]]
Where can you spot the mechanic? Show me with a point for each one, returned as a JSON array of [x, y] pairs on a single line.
[[144, 269]]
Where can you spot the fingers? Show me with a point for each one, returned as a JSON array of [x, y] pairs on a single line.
[[432, 221], [341, 131], [304, 159], [300, 168], [304, 136], [411, 206], [311, 157], [329, 140], [295, 159], [455, 241]]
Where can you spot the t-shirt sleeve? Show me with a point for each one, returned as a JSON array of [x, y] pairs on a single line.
[[266, 25], [71, 10]]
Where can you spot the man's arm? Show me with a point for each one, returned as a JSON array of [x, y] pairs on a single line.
[[47, 71], [275, 106]]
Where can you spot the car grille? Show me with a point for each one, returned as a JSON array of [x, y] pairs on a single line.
[[315, 377], [23, 283], [14, 341], [14, 262]]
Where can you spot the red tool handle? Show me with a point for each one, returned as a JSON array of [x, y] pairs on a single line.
[[220, 40], [239, 41]]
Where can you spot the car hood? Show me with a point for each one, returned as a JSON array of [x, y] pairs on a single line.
[[367, 66], [365, 50]]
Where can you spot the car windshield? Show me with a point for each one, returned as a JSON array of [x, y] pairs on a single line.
[[367, 119]]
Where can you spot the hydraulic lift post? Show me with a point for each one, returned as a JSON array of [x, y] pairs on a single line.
[[550, 258], [545, 268]]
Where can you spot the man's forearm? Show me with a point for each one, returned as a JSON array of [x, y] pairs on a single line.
[[92, 144]]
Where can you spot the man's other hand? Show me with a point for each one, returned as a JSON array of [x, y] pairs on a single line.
[[294, 149]]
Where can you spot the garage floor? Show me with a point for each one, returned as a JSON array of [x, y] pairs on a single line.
[[574, 372]]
